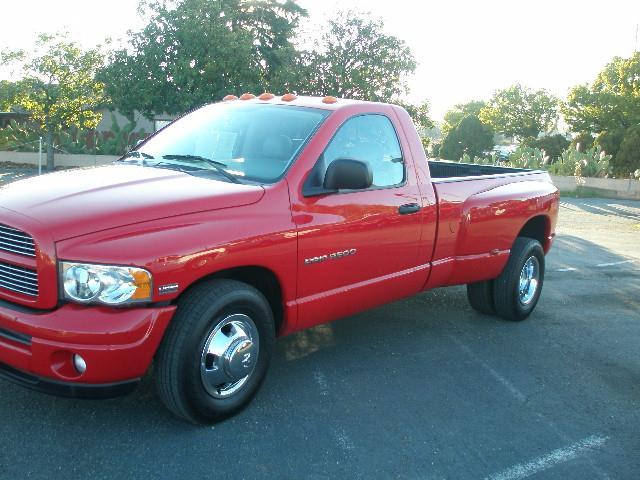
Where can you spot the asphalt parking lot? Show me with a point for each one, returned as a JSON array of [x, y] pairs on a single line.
[[423, 388]]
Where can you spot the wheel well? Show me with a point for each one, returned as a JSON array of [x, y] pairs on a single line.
[[538, 229], [263, 280]]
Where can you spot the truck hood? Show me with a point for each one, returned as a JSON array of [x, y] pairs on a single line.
[[77, 202]]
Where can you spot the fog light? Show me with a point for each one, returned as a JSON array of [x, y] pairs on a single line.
[[79, 363]]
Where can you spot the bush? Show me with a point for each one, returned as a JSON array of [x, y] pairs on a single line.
[[491, 160], [553, 145], [19, 137], [627, 160], [528, 157], [119, 140], [592, 163]]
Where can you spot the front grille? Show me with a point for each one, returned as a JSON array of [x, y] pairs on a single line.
[[16, 241], [19, 279]]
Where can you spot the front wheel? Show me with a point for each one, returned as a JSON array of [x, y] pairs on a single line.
[[216, 351], [517, 290]]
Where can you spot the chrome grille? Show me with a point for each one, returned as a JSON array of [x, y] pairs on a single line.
[[19, 279], [16, 241]]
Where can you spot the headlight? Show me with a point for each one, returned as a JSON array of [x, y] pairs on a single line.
[[110, 285]]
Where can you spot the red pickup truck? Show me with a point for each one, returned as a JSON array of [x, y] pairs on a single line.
[[240, 222]]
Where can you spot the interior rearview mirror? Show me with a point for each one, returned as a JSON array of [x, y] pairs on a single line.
[[348, 174]]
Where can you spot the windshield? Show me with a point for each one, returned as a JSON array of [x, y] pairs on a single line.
[[255, 141]]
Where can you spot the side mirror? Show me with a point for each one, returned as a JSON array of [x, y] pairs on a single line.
[[348, 174]]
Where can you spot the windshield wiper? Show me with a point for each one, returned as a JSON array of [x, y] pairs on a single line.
[[194, 157], [218, 166], [138, 155]]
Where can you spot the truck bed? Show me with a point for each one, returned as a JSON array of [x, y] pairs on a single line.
[[442, 170]]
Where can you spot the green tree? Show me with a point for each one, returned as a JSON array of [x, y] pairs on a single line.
[[582, 142], [197, 51], [610, 140], [8, 93], [419, 113], [455, 115], [470, 137], [611, 102], [521, 112], [58, 88], [354, 58], [628, 157]]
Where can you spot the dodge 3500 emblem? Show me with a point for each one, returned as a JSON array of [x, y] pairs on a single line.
[[330, 256]]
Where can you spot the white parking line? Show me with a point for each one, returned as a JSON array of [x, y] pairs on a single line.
[[614, 263], [567, 269], [517, 394], [560, 455], [321, 380], [343, 440]]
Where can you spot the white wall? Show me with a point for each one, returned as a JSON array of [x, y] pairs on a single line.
[[61, 160], [609, 187]]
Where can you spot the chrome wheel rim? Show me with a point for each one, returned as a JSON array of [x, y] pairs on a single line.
[[529, 280], [229, 355]]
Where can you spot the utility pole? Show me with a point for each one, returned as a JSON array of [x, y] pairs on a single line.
[[40, 157]]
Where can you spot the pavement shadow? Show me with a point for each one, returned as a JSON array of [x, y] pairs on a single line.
[[571, 252], [13, 174], [598, 206]]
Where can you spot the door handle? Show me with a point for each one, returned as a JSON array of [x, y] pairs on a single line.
[[409, 208]]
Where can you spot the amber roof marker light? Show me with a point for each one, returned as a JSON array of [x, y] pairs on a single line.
[[289, 97], [228, 98], [329, 99], [247, 96], [266, 96]]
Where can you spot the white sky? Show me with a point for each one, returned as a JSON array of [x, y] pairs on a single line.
[[465, 49]]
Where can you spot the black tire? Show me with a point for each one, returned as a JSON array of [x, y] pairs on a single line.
[[178, 360], [506, 289], [480, 296]]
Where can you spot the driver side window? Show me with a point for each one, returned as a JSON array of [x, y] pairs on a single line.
[[370, 138]]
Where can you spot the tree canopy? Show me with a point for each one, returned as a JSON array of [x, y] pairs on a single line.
[[459, 111], [419, 114], [197, 51], [58, 87], [521, 112], [628, 156], [470, 136], [354, 58], [8, 93], [611, 102]]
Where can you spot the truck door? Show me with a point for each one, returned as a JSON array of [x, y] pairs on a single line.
[[359, 249]]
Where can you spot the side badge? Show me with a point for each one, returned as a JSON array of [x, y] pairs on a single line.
[[166, 289]]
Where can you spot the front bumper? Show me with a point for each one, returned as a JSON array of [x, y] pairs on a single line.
[[118, 345], [67, 389]]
